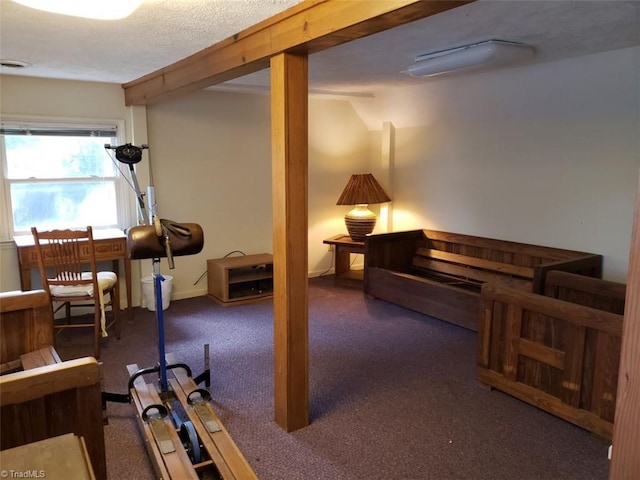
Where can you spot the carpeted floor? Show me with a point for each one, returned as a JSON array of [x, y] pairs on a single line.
[[392, 396]]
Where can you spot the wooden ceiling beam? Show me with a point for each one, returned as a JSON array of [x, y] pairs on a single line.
[[308, 27]]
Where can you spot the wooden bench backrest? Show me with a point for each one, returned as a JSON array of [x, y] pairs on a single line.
[[501, 251], [26, 324], [512, 264], [591, 292]]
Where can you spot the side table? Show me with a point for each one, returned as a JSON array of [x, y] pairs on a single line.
[[344, 247]]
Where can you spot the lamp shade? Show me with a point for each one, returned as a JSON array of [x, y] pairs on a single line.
[[362, 188]]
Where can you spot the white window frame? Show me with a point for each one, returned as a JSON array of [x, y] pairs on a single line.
[[125, 210]]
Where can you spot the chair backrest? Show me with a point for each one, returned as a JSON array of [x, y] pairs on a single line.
[[69, 253]]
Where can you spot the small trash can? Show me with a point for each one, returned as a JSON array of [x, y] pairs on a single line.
[[148, 295]]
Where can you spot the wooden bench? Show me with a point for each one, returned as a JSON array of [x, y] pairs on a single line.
[[441, 274], [43, 397], [559, 352]]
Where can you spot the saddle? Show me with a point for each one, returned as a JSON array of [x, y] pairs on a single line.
[[176, 239]]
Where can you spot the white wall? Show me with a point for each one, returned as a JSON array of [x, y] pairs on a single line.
[[338, 147], [211, 160], [546, 154], [65, 98], [211, 165]]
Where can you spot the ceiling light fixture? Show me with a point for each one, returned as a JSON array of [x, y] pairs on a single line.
[[470, 57], [101, 10]]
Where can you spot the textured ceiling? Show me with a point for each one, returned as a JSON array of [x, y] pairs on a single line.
[[164, 31], [160, 32]]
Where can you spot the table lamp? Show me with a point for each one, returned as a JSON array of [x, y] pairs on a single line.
[[361, 190]]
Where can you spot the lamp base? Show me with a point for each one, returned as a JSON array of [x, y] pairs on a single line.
[[360, 222]]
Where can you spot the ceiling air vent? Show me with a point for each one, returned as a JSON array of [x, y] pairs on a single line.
[[13, 64]]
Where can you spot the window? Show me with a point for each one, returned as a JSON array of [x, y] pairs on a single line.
[[60, 176]]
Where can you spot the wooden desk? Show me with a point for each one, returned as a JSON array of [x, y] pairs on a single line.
[[110, 244], [344, 247]]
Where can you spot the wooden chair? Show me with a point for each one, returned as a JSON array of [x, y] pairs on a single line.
[[76, 280]]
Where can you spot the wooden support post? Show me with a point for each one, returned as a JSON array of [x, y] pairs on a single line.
[[625, 461], [289, 144]]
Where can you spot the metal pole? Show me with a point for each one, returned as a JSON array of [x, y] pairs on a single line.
[[162, 361]]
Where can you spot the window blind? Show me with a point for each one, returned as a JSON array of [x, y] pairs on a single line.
[[105, 131]]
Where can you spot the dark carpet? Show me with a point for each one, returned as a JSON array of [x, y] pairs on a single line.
[[393, 395]]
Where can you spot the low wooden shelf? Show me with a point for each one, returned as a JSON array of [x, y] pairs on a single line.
[[238, 280]]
